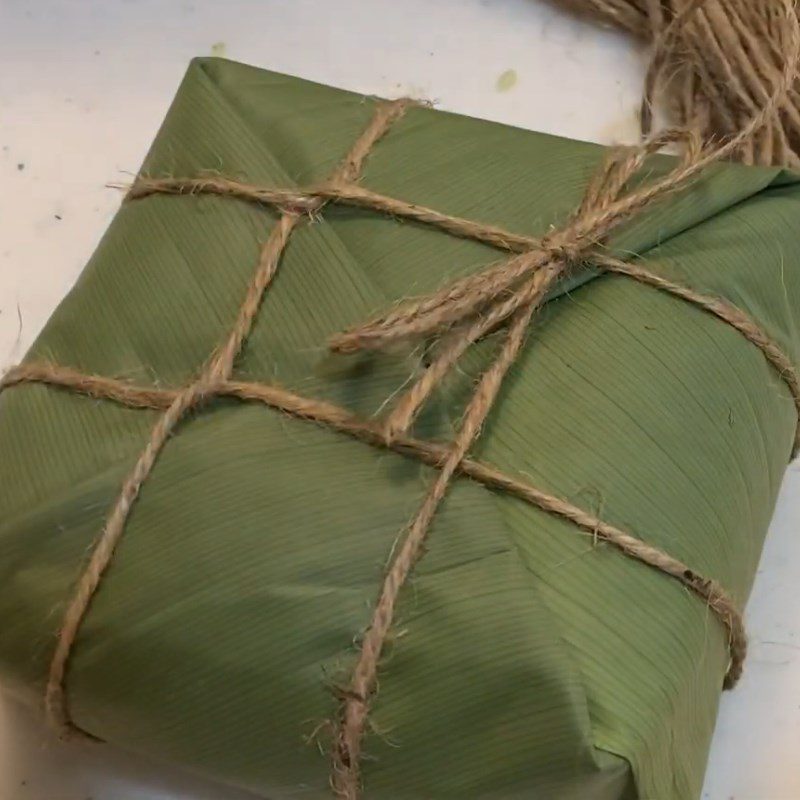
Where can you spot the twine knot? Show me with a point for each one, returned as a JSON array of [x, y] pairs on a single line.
[[564, 247], [301, 204], [453, 318]]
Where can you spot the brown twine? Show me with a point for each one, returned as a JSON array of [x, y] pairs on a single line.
[[431, 453], [504, 295], [714, 63], [217, 369], [304, 200]]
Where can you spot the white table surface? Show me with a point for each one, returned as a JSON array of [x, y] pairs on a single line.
[[83, 87]]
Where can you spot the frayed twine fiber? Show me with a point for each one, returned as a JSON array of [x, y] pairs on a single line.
[[715, 63]]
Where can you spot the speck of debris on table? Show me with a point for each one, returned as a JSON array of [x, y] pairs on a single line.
[[21, 166], [506, 80], [58, 216]]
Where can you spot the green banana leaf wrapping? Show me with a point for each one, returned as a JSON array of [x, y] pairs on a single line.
[[526, 660]]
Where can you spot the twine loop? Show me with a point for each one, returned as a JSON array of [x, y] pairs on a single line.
[[453, 318]]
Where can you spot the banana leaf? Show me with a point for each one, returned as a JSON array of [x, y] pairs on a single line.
[[527, 659]]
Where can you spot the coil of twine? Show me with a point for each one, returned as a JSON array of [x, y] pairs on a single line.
[[714, 64]]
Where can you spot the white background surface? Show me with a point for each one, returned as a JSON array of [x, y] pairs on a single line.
[[83, 88]]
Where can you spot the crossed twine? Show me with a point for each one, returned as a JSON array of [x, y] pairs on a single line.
[[504, 297]]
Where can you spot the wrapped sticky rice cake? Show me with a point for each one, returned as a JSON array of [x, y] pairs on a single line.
[[528, 654]]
